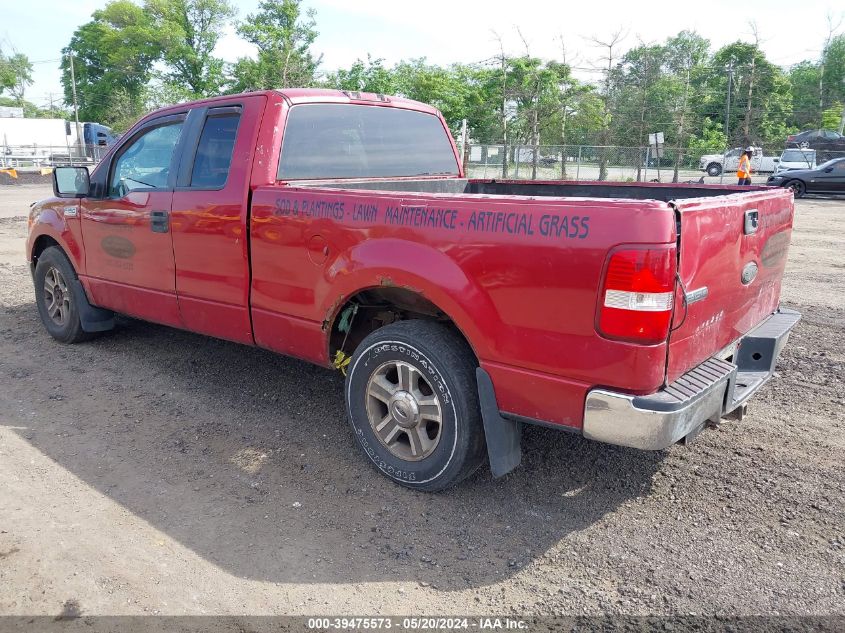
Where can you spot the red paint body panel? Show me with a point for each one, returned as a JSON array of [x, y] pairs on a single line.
[[714, 251], [210, 245], [134, 265], [271, 263], [47, 218], [521, 300]]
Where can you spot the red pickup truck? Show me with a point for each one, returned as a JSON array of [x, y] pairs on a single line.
[[339, 228]]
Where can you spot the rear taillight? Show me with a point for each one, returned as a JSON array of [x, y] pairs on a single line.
[[638, 294]]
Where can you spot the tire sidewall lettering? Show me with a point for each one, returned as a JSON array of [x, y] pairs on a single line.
[[370, 359]]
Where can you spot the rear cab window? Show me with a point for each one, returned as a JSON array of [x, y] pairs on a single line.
[[337, 140], [797, 156], [214, 150]]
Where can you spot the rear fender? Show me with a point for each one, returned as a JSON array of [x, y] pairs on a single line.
[[419, 268]]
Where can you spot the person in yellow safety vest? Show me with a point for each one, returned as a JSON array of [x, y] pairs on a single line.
[[743, 172]]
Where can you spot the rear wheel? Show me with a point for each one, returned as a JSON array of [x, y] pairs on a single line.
[[714, 169], [56, 297], [413, 405], [798, 187]]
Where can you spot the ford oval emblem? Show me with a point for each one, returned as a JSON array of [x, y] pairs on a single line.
[[749, 272], [118, 246]]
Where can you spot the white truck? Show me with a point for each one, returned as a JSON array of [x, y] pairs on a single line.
[[715, 164]]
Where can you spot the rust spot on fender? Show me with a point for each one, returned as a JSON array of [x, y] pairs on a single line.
[[386, 281], [330, 312]]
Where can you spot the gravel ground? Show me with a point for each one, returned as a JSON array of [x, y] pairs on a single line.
[[157, 471]]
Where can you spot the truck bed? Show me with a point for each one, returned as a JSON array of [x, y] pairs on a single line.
[[558, 189], [518, 266]]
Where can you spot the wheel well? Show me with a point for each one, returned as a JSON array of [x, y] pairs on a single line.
[[373, 308], [42, 243]]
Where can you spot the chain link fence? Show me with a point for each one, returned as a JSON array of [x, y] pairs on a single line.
[[25, 157], [628, 164], [526, 162]]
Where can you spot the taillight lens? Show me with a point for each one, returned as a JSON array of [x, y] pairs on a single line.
[[638, 294]]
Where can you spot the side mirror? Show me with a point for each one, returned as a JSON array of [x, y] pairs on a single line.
[[71, 182]]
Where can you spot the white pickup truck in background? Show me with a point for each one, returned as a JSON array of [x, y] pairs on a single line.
[[712, 163]]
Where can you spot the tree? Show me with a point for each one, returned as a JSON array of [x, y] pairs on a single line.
[[686, 53], [608, 94], [804, 86], [832, 117], [762, 97], [113, 58], [189, 31], [369, 76], [834, 64], [21, 69], [7, 75], [284, 38], [15, 75]]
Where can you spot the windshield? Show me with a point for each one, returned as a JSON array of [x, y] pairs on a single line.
[[336, 140], [798, 156]]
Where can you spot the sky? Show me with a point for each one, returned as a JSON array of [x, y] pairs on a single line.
[[464, 31]]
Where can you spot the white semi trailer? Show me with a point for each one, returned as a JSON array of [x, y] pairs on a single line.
[[41, 142]]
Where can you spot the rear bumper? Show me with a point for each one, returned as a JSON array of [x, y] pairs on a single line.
[[707, 392]]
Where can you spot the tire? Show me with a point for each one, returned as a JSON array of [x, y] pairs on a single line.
[[56, 297], [714, 169], [798, 188], [412, 402]]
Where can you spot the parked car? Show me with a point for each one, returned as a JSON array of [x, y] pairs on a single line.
[[827, 143], [796, 159], [712, 163], [339, 228], [827, 178]]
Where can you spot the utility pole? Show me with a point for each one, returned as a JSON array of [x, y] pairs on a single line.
[[728, 106], [75, 105], [841, 129], [727, 122]]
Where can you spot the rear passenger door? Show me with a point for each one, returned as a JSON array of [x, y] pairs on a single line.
[[208, 220]]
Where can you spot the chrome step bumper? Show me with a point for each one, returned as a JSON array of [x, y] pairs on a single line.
[[710, 391]]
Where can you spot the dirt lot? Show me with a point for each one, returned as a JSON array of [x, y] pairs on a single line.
[[155, 471]]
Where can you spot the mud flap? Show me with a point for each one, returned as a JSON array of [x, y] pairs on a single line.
[[503, 436], [93, 319]]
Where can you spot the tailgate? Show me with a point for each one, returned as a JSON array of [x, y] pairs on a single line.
[[730, 269]]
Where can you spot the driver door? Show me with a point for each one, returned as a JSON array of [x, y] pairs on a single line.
[[128, 248], [831, 179]]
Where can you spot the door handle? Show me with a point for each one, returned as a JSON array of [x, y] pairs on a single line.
[[159, 221]]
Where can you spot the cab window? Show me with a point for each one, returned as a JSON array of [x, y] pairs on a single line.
[[332, 140], [214, 152], [145, 162]]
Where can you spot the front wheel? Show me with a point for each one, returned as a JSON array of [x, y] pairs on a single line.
[[798, 188], [57, 301], [412, 401], [714, 169]]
